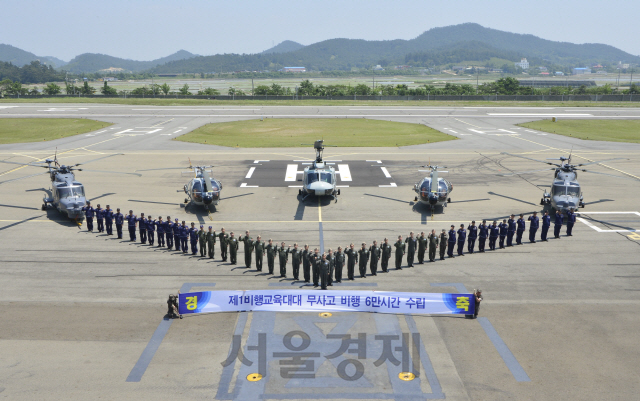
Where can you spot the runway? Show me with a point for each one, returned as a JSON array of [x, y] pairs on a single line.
[[84, 310]]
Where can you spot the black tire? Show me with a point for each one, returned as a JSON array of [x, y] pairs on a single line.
[[415, 199], [186, 200], [338, 192], [44, 207], [449, 200]]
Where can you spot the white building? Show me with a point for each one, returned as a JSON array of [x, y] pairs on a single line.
[[524, 64]]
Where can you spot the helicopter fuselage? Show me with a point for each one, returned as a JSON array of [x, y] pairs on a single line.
[[319, 180], [195, 191], [565, 192], [439, 198], [67, 194]]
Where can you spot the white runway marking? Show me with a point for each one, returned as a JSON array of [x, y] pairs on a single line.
[[175, 132], [295, 186], [476, 131], [7, 107], [386, 172], [392, 185], [374, 161], [540, 114], [250, 173], [342, 186], [292, 172], [504, 130], [345, 172], [598, 229], [466, 134], [244, 185], [455, 132], [528, 130]]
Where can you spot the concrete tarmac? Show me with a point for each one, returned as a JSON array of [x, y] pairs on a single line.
[[85, 310]]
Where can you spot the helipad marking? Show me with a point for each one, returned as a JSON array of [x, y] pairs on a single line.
[[386, 172], [504, 130], [372, 161], [600, 230], [392, 185], [292, 172], [250, 173], [244, 185], [345, 172]]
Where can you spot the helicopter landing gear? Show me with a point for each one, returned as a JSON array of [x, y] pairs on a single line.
[[299, 192], [415, 199], [449, 200], [433, 211], [186, 200], [44, 206], [582, 205]]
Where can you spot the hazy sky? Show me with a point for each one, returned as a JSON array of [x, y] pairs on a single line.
[[148, 29]]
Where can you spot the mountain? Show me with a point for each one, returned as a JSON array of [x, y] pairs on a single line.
[[284, 47], [92, 62], [345, 54], [19, 57]]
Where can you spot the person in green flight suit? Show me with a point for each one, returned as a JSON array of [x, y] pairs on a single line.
[[202, 237], [314, 259], [248, 248], [433, 245], [306, 264], [283, 256], [296, 258], [259, 247], [224, 238], [443, 243], [422, 247], [332, 264], [363, 255], [323, 269], [374, 252], [233, 248], [352, 259], [211, 242], [386, 255], [271, 255], [400, 246]]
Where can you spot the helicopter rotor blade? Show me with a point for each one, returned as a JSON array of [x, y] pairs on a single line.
[[21, 178], [99, 158], [610, 175], [24, 164], [525, 172], [206, 181], [600, 161], [110, 172], [528, 158]]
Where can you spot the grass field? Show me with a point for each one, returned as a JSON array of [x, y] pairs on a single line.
[[595, 130], [17, 130], [289, 133]]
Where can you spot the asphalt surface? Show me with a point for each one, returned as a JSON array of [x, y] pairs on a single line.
[[84, 311]]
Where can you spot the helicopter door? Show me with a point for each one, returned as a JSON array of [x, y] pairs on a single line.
[[196, 191], [425, 186]]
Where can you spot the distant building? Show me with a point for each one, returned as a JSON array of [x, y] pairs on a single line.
[[601, 72], [524, 64], [112, 69], [581, 71], [542, 68], [294, 69], [623, 66], [596, 66], [559, 73], [109, 79], [378, 68], [544, 73], [459, 67]]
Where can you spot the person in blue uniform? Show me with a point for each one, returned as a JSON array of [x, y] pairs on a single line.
[[89, 212], [169, 232], [546, 223], [100, 218], [473, 234], [571, 220], [483, 234], [142, 226], [533, 227], [108, 220], [160, 227], [193, 238], [131, 220], [494, 231], [184, 236], [119, 219], [177, 234], [151, 230], [558, 224], [504, 227], [452, 241], [462, 238], [511, 230], [521, 226]]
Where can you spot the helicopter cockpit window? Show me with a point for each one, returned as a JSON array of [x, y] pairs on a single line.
[[77, 191], [214, 186], [196, 190], [573, 191], [442, 187], [312, 177], [558, 190], [326, 177], [64, 192]]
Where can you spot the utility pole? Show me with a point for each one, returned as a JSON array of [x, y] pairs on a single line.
[[251, 86], [477, 79]]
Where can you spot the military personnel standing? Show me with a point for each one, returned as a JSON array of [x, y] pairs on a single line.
[[473, 234], [248, 248], [493, 235], [259, 247], [504, 228], [306, 265], [546, 223], [332, 264], [521, 226], [168, 229], [142, 226], [443, 243], [533, 227], [202, 237], [557, 224], [462, 238], [283, 257], [571, 220], [211, 242], [184, 236], [323, 267], [108, 219], [374, 255], [100, 218], [411, 249], [296, 258], [511, 230], [386, 255], [119, 219], [315, 266], [233, 248], [452, 241], [433, 245], [161, 227], [483, 232], [271, 255], [89, 212], [131, 222], [400, 247], [224, 239], [193, 238], [422, 246], [339, 258], [151, 229], [352, 259], [363, 255], [177, 234]]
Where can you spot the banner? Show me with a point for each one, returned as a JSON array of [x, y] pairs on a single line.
[[326, 301]]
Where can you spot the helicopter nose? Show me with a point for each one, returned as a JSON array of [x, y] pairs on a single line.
[[207, 199], [433, 199]]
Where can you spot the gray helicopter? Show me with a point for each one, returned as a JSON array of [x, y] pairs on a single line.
[[565, 190], [319, 179], [433, 190], [67, 194]]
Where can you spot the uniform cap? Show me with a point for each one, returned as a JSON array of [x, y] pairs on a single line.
[[176, 219], [201, 226], [210, 227]]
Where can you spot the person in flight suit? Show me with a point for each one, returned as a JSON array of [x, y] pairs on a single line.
[[89, 212], [422, 246], [571, 220], [557, 224], [177, 234], [375, 252], [211, 242], [315, 259], [400, 247], [462, 237], [202, 237], [184, 236], [131, 220], [443, 243], [521, 226], [108, 219], [224, 239], [533, 227], [283, 258], [433, 245], [411, 249], [142, 227], [151, 229], [352, 256], [323, 269], [306, 266], [494, 231], [296, 258], [259, 247], [483, 235], [119, 219], [511, 230], [386, 255], [100, 218], [332, 264], [452, 241], [339, 258], [270, 249], [168, 229], [248, 248], [503, 228], [193, 238], [473, 234], [161, 227], [546, 223], [233, 248], [363, 255]]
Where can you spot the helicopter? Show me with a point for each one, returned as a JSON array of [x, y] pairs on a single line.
[[320, 178], [432, 190], [67, 194], [565, 190]]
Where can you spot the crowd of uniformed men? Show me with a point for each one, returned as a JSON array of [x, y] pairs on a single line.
[[327, 267]]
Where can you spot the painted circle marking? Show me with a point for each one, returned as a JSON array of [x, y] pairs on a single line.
[[406, 376], [325, 314], [254, 377]]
